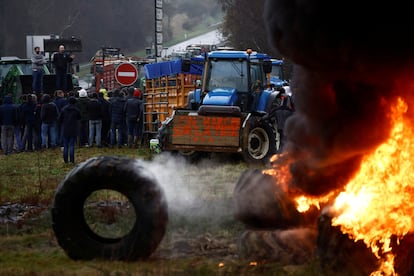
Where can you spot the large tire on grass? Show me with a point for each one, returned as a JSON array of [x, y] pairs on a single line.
[[259, 142], [126, 176]]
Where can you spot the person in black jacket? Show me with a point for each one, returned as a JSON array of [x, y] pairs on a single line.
[[60, 101], [37, 126], [106, 119], [60, 61], [8, 121], [133, 113], [48, 115], [83, 131], [117, 111], [95, 112], [283, 112], [69, 118], [28, 110]]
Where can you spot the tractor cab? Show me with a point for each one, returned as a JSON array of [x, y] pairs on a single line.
[[231, 78]]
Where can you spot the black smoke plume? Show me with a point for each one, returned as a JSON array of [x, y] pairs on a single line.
[[352, 60]]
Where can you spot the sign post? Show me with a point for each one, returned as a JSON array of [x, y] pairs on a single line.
[[158, 28], [126, 74]]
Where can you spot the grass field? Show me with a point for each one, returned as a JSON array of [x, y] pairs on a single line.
[[201, 236]]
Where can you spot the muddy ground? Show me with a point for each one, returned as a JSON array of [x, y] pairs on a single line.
[[201, 224]]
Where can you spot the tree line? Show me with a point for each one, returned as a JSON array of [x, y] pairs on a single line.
[[127, 24], [244, 27]]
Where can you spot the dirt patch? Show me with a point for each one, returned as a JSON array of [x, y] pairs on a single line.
[[19, 213]]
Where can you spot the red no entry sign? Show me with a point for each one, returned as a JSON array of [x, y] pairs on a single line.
[[126, 74]]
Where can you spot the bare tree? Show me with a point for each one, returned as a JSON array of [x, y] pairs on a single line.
[[244, 27], [70, 20], [123, 23]]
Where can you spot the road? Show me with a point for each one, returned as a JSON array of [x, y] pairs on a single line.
[[213, 37]]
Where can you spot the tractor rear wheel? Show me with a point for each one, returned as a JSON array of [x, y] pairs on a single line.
[[259, 142]]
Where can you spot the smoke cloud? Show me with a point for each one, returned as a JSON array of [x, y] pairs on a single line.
[[173, 176], [200, 191], [352, 60]]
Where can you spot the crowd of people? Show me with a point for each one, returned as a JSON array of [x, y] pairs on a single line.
[[41, 121], [67, 120]]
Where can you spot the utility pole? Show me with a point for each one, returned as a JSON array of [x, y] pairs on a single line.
[[3, 29], [158, 29]]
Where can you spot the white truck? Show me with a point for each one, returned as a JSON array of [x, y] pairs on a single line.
[[38, 40]]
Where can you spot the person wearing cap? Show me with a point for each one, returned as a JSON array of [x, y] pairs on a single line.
[[133, 114], [69, 118], [82, 104]]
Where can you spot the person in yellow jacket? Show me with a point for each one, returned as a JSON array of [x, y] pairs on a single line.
[[104, 92]]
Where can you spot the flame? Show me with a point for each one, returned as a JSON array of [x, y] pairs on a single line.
[[304, 203], [282, 173], [378, 202]]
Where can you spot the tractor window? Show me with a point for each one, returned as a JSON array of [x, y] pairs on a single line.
[[277, 76], [256, 73], [276, 71], [228, 74]]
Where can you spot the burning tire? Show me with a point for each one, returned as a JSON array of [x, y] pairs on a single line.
[[260, 203], [259, 142], [341, 254], [291, 246], [122, 175]]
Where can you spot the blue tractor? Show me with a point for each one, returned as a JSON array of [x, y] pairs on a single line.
[[229, 111], [277, 76]]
